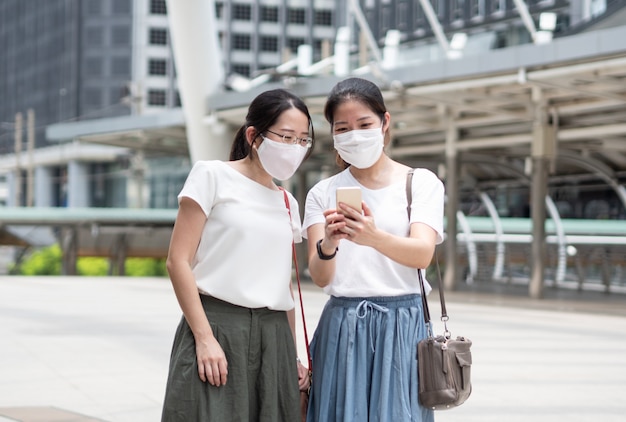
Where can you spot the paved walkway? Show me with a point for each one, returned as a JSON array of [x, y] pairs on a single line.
[[97, 349]]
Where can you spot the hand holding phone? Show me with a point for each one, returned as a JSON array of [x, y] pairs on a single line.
[[350, 196]]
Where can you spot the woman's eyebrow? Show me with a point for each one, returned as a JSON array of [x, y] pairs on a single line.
[[341, 122]]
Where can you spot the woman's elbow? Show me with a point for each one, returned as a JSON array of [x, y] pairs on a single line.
[[173, 264]]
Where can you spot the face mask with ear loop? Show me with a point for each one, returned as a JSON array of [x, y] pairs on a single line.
[[280, 160], [360, 147]]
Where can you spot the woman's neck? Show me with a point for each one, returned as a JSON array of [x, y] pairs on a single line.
[[378, 176], [253, 170]]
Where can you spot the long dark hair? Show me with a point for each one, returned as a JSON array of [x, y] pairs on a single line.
[[354, 89], [263, 112]]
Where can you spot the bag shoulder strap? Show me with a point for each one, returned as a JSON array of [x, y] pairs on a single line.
[[444, 313], [295, 262]]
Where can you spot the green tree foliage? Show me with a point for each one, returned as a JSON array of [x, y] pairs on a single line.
[[145, 267], [92, 266], [44, 261]]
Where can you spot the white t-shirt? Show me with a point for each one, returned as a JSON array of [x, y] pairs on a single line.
[[245, 255], [361, 271]]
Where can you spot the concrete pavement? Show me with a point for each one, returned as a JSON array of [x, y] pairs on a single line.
[[97, 349]]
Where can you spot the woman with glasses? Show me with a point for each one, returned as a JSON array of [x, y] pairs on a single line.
[[234, 353], [364, 347]]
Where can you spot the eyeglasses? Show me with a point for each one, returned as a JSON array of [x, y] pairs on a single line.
[[293, 140]]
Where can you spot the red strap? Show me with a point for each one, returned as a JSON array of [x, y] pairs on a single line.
[[295, 262]]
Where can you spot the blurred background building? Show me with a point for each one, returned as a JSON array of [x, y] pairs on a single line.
[[64, 61], [91, 113]]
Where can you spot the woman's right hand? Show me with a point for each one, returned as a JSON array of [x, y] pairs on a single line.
[[333, 225], [212, 363]]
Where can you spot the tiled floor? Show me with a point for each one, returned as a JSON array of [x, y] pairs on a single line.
[[42, 414], [78, 349]]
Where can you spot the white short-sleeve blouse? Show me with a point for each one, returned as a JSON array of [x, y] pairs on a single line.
[[245, 254]]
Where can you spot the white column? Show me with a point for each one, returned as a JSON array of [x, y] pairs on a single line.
[[12, 188], [200, 73], [77, 185], [43, 187]]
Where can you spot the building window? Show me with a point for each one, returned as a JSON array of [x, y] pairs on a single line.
[[294, 43], [120, 66], [93, 66], [94, 7], [241, 42], [177, 101], [120, 35], [439, 6], [94, 37], [269, 43], [158, 36], [269, 14], [241, 69], [115, 95], [477, 8], [297, 16], [324, 18], [456, 10], [157, 67], [403, 16], [219, 10], [498, 6], [93, 98], [242, 12], [121, 7], [158, 7], [157, 97]]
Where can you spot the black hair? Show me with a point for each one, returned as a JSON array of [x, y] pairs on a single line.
[[354, 89], [263, 112]]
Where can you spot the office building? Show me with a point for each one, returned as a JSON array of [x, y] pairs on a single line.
[[83, 62]]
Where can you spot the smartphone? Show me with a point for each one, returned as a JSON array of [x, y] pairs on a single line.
[[350, 196]]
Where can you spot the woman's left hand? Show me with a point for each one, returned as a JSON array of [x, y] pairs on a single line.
[[303, 377], [360, 228]]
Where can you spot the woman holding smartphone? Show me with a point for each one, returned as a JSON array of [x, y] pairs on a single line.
[[234, 354], [364, 347]]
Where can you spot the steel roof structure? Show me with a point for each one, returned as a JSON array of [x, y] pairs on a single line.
[[490, 99]]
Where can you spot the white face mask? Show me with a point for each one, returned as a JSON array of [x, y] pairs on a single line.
[[280, 160], [360, 148]]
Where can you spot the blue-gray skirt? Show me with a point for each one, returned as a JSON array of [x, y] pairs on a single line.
[[364, 353]]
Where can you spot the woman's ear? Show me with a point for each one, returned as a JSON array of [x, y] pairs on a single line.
[[251, 135], [387, 121]]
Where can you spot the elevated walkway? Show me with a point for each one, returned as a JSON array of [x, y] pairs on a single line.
[[581, 254], [116, 233]]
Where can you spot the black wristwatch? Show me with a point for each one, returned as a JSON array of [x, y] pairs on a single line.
[[322, 255]]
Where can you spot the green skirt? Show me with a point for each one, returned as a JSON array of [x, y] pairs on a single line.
[[262, 382]]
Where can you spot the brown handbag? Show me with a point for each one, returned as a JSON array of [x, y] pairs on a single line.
[[443, 363], [304, 394]]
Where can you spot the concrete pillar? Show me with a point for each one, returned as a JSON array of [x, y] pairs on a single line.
[[69, 248], [117, 258], [43, 187], [538, 216], [452, 204], [543, 150], [77, 185], [200, 73], [136, 185], [13, 185]]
